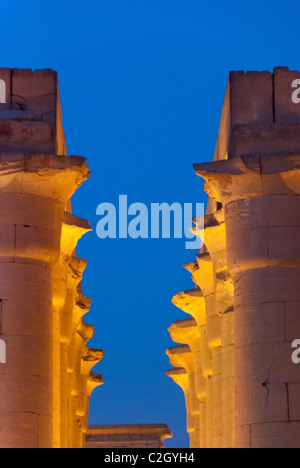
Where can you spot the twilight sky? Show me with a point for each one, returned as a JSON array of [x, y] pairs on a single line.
[[142, 85]]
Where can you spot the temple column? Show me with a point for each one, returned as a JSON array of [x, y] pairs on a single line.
[[94, 380], [228, 380], [192, 302], [211, 230], [181, 356], [75, 269], [187, 332], [80, 307], [67, 300], [261, 202], [73, 229], [34, 190], [181, 378], [203, 276], [88, 382]]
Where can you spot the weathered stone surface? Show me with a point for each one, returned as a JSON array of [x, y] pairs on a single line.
[[251, 98], [260, 115], [131, 436], [31, 117], [286, 111], [255, 139], [26, 137], [46, 381], [20, 430], [292, 322], [35, 91], [274, 435], [252, 386], [260, 323]]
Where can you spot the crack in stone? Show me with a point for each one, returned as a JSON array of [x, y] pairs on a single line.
[[266, 384]]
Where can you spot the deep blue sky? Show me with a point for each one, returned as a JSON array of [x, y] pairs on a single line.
[[142, 84]]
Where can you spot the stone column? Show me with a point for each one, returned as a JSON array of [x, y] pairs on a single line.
[[73, 229], [80, 361], [181, 356], [34, 190], [88, 382], [260, 195], [192, 302], [212, 232], [204, 277], [69, 324], [181, 378], [187, 332], [94, 380]]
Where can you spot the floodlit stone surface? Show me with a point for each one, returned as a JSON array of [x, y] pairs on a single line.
[[187, 331], [246, 302], [46, 382], [131, 436], [251, 98]]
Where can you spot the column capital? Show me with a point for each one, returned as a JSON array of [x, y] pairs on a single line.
[[211, 230], [245, 177], [181, 356], [180, 377], [90, 357], [75, 271], [82, 306], [73, 228], [232, 179], [190, 266], [94, 380], [203, 276], [262, 198], [191, 302], [50, 176], [185, 331], [86, 331]]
